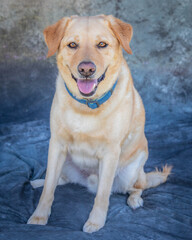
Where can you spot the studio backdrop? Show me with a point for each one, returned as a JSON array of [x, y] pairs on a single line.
[[162, 74]]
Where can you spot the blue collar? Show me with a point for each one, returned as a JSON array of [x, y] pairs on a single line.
[[94, 103]]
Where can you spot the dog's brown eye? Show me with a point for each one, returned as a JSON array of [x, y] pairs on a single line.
[[72, 45], [102, 45]]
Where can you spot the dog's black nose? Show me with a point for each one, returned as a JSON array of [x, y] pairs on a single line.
[[86, 69]]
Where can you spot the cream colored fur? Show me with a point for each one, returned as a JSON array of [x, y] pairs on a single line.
[[104, 149]]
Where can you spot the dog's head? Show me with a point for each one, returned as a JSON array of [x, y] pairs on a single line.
[[89, 51]]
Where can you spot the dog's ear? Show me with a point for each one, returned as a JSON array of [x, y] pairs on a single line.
[[53, 35], [123, 32]]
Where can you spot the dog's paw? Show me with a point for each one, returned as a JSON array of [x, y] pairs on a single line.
[[39, 217], [95, 221], [91, 227], [37, 220], [134, 201]]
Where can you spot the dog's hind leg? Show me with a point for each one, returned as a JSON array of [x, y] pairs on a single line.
[[134, 200], [128, 176], [146, 180]]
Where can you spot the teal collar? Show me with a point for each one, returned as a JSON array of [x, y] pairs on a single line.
[[94, 103]]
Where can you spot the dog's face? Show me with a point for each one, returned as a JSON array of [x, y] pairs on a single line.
[[88, 49]]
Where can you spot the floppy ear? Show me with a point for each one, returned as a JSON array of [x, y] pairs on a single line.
[[53, 35], [123, 31]]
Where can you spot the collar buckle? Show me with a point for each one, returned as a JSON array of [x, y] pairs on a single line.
[[92, 103]]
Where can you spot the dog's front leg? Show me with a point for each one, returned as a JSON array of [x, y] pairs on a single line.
[[107, 169], [56, 158]]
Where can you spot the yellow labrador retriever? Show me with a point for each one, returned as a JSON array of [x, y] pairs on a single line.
[[97, 118]]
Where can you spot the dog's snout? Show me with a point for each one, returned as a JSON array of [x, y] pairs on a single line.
[[86, 68]]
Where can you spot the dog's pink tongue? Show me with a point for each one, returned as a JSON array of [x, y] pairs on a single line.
[[86, 86]]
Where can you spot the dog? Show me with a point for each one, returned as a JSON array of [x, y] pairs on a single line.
[[97, 118]]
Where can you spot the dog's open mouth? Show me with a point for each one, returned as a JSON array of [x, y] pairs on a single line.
[[87, 87]]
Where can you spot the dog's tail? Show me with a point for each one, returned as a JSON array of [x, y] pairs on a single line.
[[153, 179], [40, 182]]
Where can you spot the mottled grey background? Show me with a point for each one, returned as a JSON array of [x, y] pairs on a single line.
[[161, 68], [160, 64]]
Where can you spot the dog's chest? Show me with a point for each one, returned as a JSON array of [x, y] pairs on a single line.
[[85, 132], [78, 123], [83, 154], [87, 137]]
